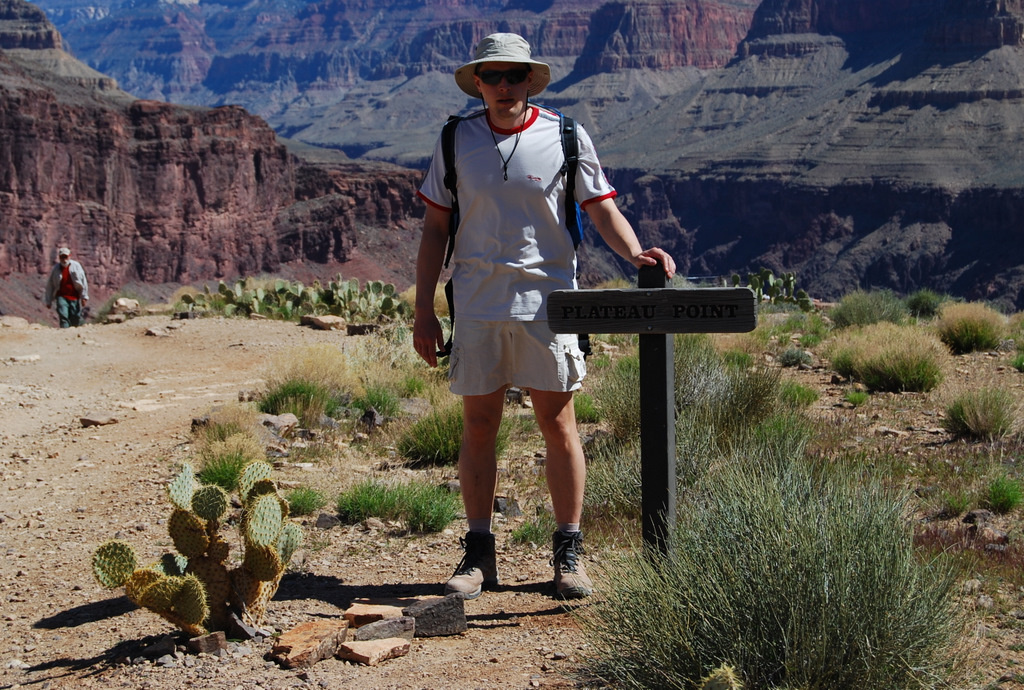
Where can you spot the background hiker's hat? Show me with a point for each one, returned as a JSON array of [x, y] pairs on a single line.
[[63, 251], [502, 48]]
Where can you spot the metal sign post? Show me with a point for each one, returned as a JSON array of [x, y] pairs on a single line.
[[655, 313]]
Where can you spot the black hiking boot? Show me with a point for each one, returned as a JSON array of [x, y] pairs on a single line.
[[478, 568]]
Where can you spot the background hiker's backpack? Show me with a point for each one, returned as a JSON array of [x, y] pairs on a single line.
[[573, 215]]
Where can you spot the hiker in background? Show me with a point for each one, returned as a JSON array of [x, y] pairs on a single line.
[[67, 287], [511, 250]]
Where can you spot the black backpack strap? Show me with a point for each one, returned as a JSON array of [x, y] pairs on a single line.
[[451, 177], [449, 293], [573, 221], [571, 150]]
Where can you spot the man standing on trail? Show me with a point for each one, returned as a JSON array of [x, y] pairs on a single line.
[[512, 250], [69, 288]]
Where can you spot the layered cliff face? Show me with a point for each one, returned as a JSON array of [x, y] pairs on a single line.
[[148, 192], [860, 144], [374, 77], [25, 26], [948, 23]]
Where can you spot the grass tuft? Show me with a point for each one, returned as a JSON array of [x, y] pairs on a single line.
[[1004, 495], [862, 308], [221, 462], [422, 507], [985, 414], [305, 500], [970, 327], [437, 438], [887, 357], [790, 574]]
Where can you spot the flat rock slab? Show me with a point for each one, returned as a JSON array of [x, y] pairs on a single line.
[[308, 643], [372, 652], [363, 612], [439, 615]]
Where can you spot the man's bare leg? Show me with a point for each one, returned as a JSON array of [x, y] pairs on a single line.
[[565, 468], [566, 473], [478, 479]]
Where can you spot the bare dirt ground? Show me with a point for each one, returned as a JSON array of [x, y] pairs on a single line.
[[66, 488]]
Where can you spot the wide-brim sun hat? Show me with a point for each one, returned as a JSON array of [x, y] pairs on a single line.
[[502, 48], [63, 251]]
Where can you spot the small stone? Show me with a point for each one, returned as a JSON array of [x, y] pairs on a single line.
[[240, 630], [97, 419], [327, 521], [162, 647], [326, 322], [167, 661], [508, 507], [208, 643]]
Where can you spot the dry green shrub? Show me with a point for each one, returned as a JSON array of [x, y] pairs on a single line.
[[376, 370], [436, 438], [440, 301], [223, 422], [708, 391], [984, 413], [322, 364], [863, 308], [970, 326], [793, 574], [387, 362], [887, 357]]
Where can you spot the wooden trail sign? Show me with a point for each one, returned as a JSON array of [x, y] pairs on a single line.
[[655, 312], [652, 310]]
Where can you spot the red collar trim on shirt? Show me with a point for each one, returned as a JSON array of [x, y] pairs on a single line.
[[530, 119]]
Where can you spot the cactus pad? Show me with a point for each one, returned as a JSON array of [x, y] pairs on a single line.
[[210, 502], [159, 595], [188, 533], [141, 580], [288, 542], [113, 563], [264, 520], [250, 596], [182, 487], [252, 473], [190, 601], [263, 562]]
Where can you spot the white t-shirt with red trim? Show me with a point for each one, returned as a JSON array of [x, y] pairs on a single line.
[[512, 247]]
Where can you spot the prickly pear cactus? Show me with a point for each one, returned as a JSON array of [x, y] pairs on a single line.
[[722, 678], [195, 588]]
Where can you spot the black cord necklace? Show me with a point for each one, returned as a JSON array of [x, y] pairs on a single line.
[[519, 133]]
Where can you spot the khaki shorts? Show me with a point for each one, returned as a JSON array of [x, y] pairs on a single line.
[[490, 355]]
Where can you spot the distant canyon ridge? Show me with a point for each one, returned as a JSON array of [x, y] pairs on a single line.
[[858, 143]]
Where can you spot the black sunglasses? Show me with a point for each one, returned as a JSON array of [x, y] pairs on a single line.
[[493, 77]]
